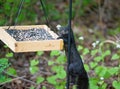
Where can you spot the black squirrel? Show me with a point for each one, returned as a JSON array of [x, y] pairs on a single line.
[[78, 74]]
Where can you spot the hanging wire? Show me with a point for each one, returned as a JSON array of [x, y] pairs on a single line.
[[18, 13], [69, 42], [45, 12]]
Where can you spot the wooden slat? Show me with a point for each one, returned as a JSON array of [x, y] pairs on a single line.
[[25, 27], [47, 45], [7, 39]]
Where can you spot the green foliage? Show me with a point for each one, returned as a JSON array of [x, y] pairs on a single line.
[[85, 51], [61, 59], [11, 71], [33, 66], [114, 31], [94, 52], [40, 53], [60, 72], [32, 87], [9, 8], [4, 78], [54, 53], [3, 64], [57, 68], [44, 87], [86, 67], [102, 71], [9, 54], [52, 80], [116, 84], [115, 57], [93, 65], [80, 47], [39, 79], [81, 6]]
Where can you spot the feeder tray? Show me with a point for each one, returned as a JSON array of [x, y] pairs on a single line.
[[30, 45]]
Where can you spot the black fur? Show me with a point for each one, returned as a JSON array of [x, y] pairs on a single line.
[[78, 75], [1, 44]]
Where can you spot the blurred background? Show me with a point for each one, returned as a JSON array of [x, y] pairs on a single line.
[[96, 26]]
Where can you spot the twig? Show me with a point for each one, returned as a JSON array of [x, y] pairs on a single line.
[[17, 77], [11, 80]]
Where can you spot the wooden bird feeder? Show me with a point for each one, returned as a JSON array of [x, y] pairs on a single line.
[[30, 46]]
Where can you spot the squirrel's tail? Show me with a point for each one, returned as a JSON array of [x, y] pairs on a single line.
[[83, 81]]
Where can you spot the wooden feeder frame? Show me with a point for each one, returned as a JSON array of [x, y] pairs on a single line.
[[30, 46]]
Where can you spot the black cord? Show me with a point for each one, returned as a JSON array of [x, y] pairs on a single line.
[[18, 13], [45, 12], [69, 42]]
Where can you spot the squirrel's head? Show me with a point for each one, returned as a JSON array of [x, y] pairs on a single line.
[[62, 33], [62, 30]]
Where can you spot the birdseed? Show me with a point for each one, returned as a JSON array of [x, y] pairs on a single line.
[[30, 35]]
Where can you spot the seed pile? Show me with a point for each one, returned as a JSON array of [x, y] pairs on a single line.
[[30, 35]]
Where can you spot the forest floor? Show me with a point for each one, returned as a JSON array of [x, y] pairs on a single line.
[[89, 26]]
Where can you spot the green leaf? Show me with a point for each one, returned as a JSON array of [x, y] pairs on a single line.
[[34, 62], [61, 59], [39, 53], [94, 52], [3, 61], [80, 47], [50, 63], [93, 83], [54, 53], [40, 79], [7, 6], [86, 51], [5, 46], [52, 80], [106, 53], [11, 71], [103, 85], [86, 2], [4, 79], [9, 54], [98, 59], [44, 87], [57, 68], [59, 87], [34, 69], [61, 74], [113, 70], [3, 64], [102, 71], [86, 67], [93, 64], [74, 86], [32, 87], [115, 56], [27, 1], [9, 1], [116, 84]]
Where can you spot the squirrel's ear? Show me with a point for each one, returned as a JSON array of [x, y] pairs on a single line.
[[58, 27], [60, 38]]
